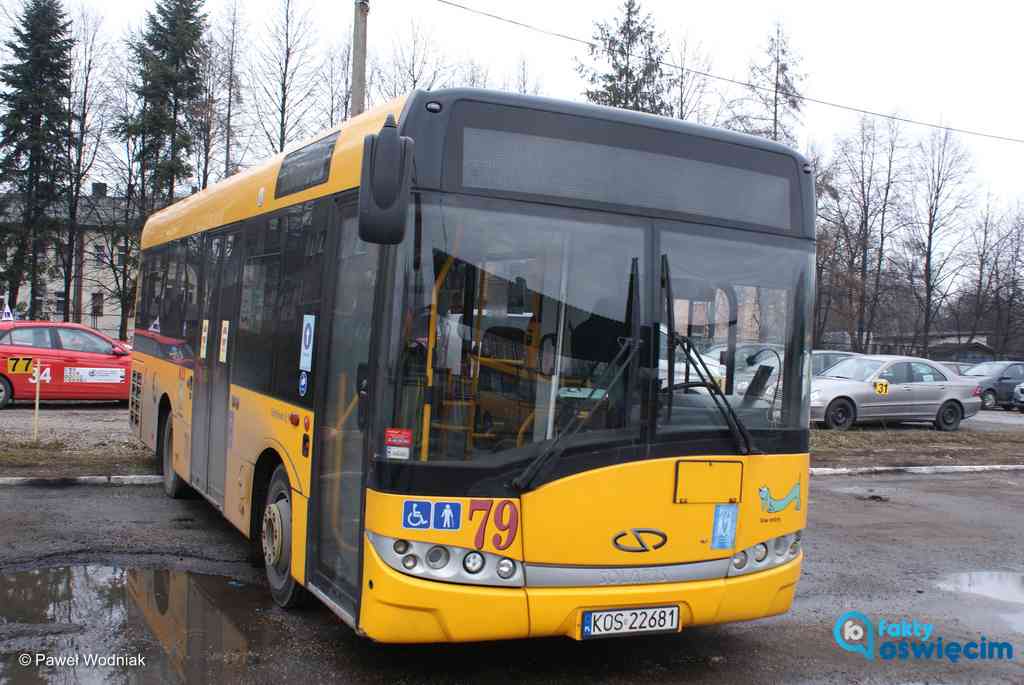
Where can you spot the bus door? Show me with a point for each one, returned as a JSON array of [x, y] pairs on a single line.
[[342, 406], [210, 430]]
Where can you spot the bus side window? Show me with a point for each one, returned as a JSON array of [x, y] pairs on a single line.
[[305, 235], [257, 312]]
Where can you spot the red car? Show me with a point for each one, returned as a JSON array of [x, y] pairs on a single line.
[[75, 362]]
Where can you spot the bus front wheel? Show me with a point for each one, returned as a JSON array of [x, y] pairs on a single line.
[[276, 540]]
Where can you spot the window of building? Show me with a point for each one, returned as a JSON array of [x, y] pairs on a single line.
[[96, 304], [59, 302], [99, 255]]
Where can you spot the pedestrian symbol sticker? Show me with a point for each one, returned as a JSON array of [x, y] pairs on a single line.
[[447, 515], [723, 529], [416, 514], [303, 383], [306, 342]]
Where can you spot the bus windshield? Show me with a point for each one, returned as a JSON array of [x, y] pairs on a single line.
[[510, 318]]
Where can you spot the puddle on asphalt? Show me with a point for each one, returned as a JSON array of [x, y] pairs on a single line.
[[1002, 586], [96, 623]]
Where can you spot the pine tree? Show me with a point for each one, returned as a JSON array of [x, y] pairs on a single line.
[[629, 56], [33, 132], [168, 58]]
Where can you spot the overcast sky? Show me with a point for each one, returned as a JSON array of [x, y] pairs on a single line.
[[954, 63]]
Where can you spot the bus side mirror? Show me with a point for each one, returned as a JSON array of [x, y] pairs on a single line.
[[384, 185]]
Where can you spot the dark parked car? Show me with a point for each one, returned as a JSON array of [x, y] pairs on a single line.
[[823, 359], [997, 381]]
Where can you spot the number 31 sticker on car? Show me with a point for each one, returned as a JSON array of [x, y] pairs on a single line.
[[882, 388]]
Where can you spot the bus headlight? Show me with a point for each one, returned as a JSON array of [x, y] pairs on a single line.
[[447, 563], [757, 558], [506, 568], [437, 557], [473, 562]]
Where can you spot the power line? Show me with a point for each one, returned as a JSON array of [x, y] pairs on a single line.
[[746, 84]]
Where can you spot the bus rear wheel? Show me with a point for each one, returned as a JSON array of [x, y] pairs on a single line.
[[276, 541], [174, 485]]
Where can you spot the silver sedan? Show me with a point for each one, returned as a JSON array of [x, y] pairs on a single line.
[[888, 388]]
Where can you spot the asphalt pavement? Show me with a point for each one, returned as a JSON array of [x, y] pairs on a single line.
[[994, 420], [890, 547]]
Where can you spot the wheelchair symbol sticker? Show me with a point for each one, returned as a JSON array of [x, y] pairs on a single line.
[[416, 514]]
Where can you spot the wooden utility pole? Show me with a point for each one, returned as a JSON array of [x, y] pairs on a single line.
[[362, 9]]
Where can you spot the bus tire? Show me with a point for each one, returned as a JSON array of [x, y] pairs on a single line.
[[175, 486], [6, 393], [276, 541]]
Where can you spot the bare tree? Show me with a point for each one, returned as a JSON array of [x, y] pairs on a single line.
[[471, 74], [204, 114], [115, 243], [868, 173], [87, 109], [690, 93], [522, 81], [123, 159], [941, 168], [415, 62], [228, 34], [976, 295], [282, 80], [334, 85]]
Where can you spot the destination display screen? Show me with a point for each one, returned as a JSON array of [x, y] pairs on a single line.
[[543, 154]]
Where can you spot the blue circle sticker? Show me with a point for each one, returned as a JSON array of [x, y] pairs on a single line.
[[303, 383]]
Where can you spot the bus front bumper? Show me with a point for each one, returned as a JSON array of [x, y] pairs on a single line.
[[399, 608]]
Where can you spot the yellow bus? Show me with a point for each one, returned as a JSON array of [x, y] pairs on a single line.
[[447, 368]]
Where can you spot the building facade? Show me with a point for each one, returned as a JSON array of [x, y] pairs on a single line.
[[104, 265]]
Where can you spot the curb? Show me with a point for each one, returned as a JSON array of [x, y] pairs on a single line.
[[83, 480], [921, 470]]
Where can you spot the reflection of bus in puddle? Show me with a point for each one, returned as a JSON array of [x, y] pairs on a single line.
[[196, 620]]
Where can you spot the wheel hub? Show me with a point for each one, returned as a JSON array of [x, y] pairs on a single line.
[[273, 534]]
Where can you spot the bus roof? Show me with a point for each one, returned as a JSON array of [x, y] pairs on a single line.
[[239, 197]]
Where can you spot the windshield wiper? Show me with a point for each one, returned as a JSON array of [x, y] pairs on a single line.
[[594, 401], [744, 441], [623, 360]]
